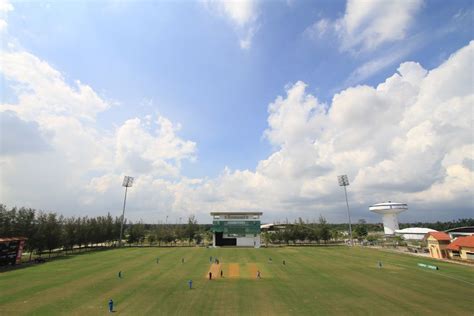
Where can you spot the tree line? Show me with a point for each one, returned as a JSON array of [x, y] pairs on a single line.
[[50, 231], [301, 231], [378, 227], [441, 226], [47, 231], [169, 234]]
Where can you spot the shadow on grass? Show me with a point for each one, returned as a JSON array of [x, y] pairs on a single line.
[[56, 257]]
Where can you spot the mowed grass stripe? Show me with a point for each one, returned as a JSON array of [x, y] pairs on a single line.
[[332, 280], [98, 275], [98, 284], [409, 288], [154, 296], [347, 280], [64, 271], [36, 281]]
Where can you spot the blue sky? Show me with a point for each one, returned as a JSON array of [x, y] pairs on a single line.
[[212, 69]]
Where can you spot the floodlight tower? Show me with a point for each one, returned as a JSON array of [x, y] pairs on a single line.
[[343, 182], [127, 183], [389, 210]]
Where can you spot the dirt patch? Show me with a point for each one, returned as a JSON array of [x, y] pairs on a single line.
[[215, 269], [234, 270], [252, 269]]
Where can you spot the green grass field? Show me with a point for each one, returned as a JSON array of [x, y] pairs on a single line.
[[314, 281]]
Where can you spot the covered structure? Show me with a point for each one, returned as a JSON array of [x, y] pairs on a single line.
[[413, 233], [460, 231], [241, 229], [274, 227], [11, 250]]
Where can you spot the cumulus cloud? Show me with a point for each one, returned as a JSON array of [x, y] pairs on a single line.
[[18, 136], [242, 14], [368, 24], [140, 151], [67, 161], [44, 92], [407, 139]]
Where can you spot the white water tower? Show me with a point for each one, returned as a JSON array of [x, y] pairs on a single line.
[[389, 210]]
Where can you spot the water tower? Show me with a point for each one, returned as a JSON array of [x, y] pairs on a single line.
[[389, 210]]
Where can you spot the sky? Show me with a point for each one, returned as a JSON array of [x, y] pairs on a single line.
[[238, 106]]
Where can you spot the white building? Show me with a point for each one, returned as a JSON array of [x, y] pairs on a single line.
[[241, 229], [413, 233]]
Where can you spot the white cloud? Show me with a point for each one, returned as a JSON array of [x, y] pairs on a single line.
[[407, 139], [368, 24], [157, 153], [5, 7], [246, 39], [242, 14], [3, 25], [319, 29], [43, 91], [373, 66], [69, 163]]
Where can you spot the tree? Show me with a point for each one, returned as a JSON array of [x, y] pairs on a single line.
[[300, 230], [25, 227], [361, 230], [136, 233], [314, 234], [39, 240], [53, 232], [70, 233], [324, 232], [191, 228], [109, 228], [160, 234], [116, 227], [286, 235], [335, 234], [277, 236], [266, 237], [152, 238], [207, 235], [7, 221], [372, 238]]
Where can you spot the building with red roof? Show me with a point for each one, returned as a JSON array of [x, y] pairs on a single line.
[[437, 243], [462, 248]]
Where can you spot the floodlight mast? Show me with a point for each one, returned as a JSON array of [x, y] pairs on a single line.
[[343, 182], [127, 183]]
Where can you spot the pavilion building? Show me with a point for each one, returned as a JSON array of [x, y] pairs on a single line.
[[241, 229]]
